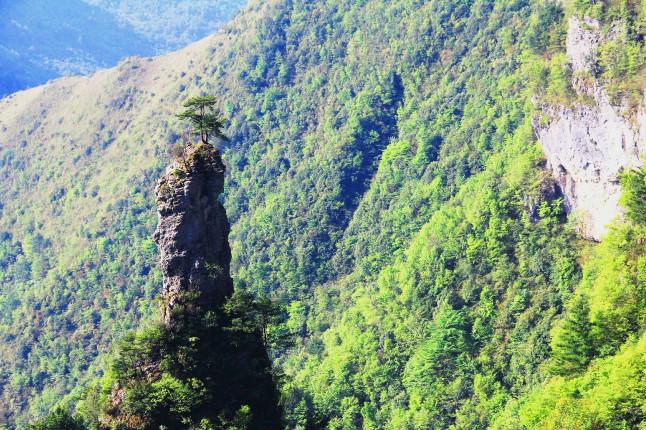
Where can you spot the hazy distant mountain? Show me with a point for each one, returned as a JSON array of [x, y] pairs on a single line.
[[42, 40], [171, 24]]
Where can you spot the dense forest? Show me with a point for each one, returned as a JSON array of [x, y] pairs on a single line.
[[385, 185]]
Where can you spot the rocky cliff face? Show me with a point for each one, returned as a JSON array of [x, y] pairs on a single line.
[[193, 230], [588, 145], [205, 363]]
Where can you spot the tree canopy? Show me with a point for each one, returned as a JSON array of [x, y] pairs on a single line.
[[205, 119]]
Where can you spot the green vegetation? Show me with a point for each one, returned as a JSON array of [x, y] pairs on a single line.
[[634, 195], [599, 349], [621, 61], [386, 183], [204, 117], [57, 317], [207, 371], [60, 419]]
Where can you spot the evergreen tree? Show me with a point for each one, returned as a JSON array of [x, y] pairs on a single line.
[[59, 419], [205, 119], [572, 346], [633, 183]]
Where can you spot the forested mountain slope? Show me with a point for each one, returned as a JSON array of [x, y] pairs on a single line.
[[171, 24], [385, 181], [42, 40]]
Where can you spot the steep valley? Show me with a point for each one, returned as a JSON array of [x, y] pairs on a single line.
[[394, 178]]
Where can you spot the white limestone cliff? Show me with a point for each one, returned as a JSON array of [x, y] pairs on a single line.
[[588, 145]]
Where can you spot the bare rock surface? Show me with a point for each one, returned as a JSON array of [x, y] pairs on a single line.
[[583, 38], [588, 145], [192, 233]]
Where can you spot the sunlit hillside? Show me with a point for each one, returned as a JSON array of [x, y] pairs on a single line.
[[385, 185]]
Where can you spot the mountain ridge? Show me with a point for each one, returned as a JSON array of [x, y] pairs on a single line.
[[385, 181], [77, 37]]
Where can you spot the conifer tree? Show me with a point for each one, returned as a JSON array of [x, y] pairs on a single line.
[[59, 419], [572, 343], [204, 117], [633, 183]]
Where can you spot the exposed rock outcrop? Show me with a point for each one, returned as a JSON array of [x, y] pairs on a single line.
[[205, 364], [588, 145], [193, 230]]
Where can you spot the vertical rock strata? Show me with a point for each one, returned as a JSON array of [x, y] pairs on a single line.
[[588, 145], [198, 367], [192, 231]]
